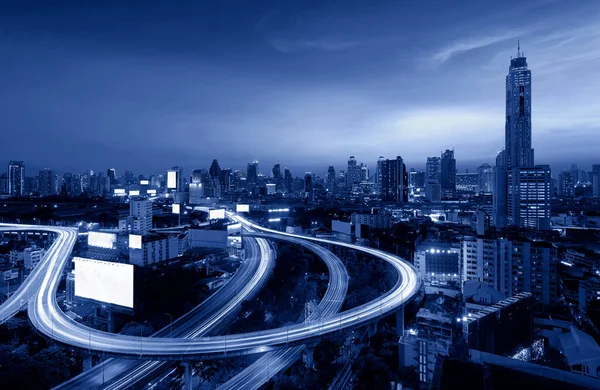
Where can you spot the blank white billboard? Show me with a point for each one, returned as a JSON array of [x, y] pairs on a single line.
[[171, 179], [104, 281], [135, 241], [176, 208], [144, 182], [102, 240], [134, 193], [216, 214], [234, 228], [242, 208]]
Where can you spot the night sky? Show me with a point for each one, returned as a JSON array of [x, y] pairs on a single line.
[[149, 85]]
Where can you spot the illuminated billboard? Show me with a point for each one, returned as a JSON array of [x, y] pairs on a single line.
[[134, 193], [216, 214], [151, 192], [119, 191], [135, 241], [171, 179], [176, 208], [102, 240], [144, 182], [104, 281], [242, 208]]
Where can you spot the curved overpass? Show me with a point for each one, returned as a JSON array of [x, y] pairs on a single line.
[[247, 281], [47, 317], [62, 246], [330, 303]]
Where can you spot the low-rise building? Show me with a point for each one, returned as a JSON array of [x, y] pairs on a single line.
[[155, 249], [31, 257]]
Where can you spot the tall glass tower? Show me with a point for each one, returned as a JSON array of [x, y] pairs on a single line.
[[517, 148], [522, 190]]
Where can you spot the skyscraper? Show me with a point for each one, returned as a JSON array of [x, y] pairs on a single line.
[[16, 177], [378, 174], [448, 174], [353, 173], [252, 173], [47, 182], [289, 181], [566, 184], [432, 170], [197, 186], [309, 193], [484, 172], [394, 180], [140, 212], [522, 190], [596, 181], [517, 132], [331, 183]]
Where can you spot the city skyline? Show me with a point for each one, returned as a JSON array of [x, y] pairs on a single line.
[[281, 82]]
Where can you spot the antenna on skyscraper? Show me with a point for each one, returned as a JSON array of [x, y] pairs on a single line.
[[518, 48]]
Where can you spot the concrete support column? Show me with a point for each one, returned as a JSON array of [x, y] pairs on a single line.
[[372, 329], [309, 357], [187, 381], [87, 361], [400, 321]]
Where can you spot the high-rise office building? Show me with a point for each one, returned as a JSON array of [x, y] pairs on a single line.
[[485, 173], [528, 197], [309, 191], [378, 174], [394, 181], [448, 174], [353, 175], [522, 190], [140, 210], [47, 182], [512, 266], [566, 184], [215, 169], [111, 173], [432, 170], [252, 172], [416, 179], [331, 182], [16, 178], [364, 173], [197, 186], [595, 180], [3, 183], [289, 181], [277, 176]]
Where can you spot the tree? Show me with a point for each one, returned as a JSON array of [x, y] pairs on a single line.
[[371, 372], [206, 370]]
